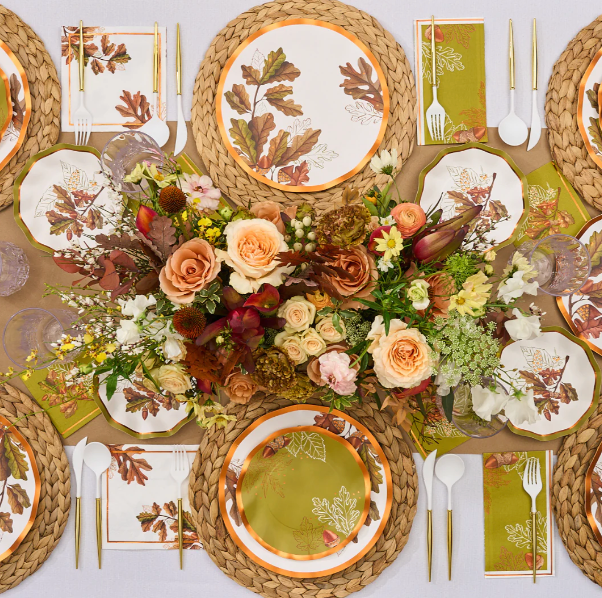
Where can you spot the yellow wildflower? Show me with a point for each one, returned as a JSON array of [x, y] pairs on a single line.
[[32, 355], [26, 375], [213, 233], [68, 347], [473, 296], [88, 338], [391, 243], [101, 357], [110, 348], [204, 221]]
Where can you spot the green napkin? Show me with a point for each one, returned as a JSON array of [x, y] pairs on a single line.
[[460, 55], [508, 515], [554, 206], [69, 406], [434, 431]]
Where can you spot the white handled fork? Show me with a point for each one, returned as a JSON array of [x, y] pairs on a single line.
[[435, 115], [532, 486], [180, 468], [82, 117]]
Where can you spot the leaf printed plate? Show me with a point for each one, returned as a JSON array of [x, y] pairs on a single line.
[[593, 493], [139, 412], [19, 488], [298, 418], [588, 109], [303, 493], [564, 376], [14, 135], [472, 174], [302, 105], [6, 106], [583, 310], [59, 196]]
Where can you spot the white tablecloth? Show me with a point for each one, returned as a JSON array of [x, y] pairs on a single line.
[[156, 573]]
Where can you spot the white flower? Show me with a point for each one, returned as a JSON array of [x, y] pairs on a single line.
[[524, 328], [418, 294], [522, 411], [128, 332], [521, 263], [136, 307], [174, 348], [387, 221], [490, 255], [385, 163], [486, 402], [516, 286], [384, 265]]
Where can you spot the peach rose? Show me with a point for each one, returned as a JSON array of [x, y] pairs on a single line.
[[410, 218], [358, 262], [240, 388], [270, 211], [312, 342], [189, 269], [253, 248], [313, 367], [326, 329], [402, 358], [441, 288]]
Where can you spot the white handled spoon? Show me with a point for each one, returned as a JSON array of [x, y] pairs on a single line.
[[98, 458], [449, 469], [512, 130]]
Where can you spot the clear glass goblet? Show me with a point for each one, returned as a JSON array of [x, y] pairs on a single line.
[[467, 421], [123, 151], [562, 263], [35, 330], [14, 268]]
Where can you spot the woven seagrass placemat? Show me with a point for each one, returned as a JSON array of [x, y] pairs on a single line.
[[45, 90], [234, 182], [204, 501], [55, 497], [568, 497], [566, 144]]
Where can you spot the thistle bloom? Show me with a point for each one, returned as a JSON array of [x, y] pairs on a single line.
[[390, 243], [385, 163]]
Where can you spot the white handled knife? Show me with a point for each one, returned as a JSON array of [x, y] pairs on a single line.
[[427, 475], [78, 463], [535, 121], [181, 131]]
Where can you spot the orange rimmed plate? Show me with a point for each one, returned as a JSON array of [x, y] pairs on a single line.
[[345, 428], [588, 109]]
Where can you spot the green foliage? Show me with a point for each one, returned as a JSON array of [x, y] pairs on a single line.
[[461, 266]]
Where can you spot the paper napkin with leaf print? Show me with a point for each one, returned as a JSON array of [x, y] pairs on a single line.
[[507, 508], [69, 406], [460, 67], [433, 431], [554, 206], [141, 502], [118, 76]]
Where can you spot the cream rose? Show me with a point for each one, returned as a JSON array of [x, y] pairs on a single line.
[[291, 344], [312, 342], [298, 312], [402, 358], [253, 248], [173, 378], [326, 329]]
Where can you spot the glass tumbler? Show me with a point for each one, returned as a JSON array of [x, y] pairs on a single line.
[[14, 268], [123, 151], [35, 329], [562, 262]]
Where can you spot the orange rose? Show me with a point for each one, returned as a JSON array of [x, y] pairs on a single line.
[[270, 211], [402, 358], [240, 388], [360, 264], [313, 367], [319, 299], [441, 288], [189, 269], [410, 218]]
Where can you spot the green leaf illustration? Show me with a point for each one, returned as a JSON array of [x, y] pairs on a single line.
[[238, 99], [595, 132], [16, 458], [271, 65], [278, 146], [243, 138], [278, 92], [376, 477]]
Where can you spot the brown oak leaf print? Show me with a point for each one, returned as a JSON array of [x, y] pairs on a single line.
[[109, 57], [128, 466], [136, 107], [359, 84], [66, 395], [163, 521], [274, 155], [140, 398], [19, 106]]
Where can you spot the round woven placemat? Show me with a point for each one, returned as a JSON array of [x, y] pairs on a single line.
[[566, 144], [234, 182], [55, 497], [203, 494], [45, 90], [568, 497]]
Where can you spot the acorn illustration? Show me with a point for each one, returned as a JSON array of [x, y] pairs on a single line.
[[529, 560], [330, 422], [272, 447], [357, 439], [439, 37], [498, 459], [330, 538]]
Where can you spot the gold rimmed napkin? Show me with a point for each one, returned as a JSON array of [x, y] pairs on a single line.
[[461, 89], [118, 76], [140, 500], [508, 516]]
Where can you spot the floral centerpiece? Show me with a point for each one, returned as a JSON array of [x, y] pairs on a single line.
[[203, 303]]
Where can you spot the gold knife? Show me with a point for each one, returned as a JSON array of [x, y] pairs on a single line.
[[428, 468]]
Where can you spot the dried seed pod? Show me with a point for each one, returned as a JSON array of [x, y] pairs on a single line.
[[498, 459], [330, 538]]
